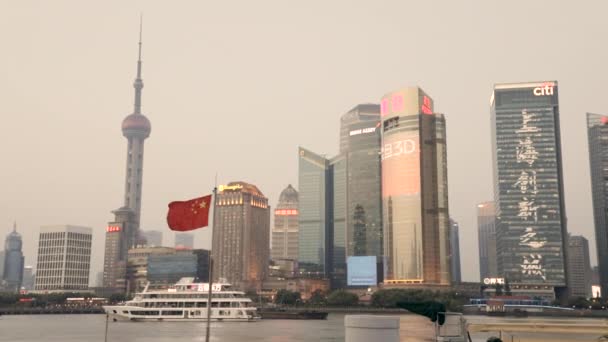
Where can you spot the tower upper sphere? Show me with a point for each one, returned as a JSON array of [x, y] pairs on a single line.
[[136, 125]]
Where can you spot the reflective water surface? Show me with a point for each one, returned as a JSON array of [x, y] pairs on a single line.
[[92, 328]]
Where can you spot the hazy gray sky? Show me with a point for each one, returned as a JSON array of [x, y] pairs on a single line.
[[234, 87]]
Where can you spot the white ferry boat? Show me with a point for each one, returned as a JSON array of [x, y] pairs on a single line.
[[186, 301]]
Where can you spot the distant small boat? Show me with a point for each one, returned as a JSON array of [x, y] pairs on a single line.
[[284, 314]]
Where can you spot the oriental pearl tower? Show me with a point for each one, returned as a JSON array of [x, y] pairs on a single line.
[[136, 128], [123, 233]]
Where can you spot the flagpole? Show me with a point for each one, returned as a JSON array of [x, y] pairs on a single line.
[[210, 293]]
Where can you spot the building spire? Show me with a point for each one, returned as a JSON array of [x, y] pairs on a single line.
[[138, 84], [15, 226]]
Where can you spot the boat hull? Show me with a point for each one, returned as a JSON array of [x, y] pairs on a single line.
[[139, 314]]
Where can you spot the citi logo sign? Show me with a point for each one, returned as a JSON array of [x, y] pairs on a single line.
[[544, 90]]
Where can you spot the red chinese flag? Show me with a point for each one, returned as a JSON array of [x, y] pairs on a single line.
[[189, 215]]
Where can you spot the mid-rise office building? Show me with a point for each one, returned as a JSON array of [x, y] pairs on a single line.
[[137, 265], [414, 190], [531, 234], [153, 238], [123, 233], [597, 133], [164, 270], [579, 267], [285, 231], [486, 233], [64, 258], [241, 235], [455, 252], [116, 250], [28, 278], [184, 240], [13, 260]]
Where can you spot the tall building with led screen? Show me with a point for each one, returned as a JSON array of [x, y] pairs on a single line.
[[531, 233], [597, 133], [414, 190]]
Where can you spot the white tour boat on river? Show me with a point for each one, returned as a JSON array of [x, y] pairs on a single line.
[[186, 301]]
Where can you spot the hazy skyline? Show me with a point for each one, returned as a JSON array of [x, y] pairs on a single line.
[[234, 88]]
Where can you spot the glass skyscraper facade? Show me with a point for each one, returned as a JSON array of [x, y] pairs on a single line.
[[531, 233], [339, 222], [455, 252], [340, 202], [486, 233], [414, 190], [597, 133], [13, 261], [360, 148], [315, 209], [579, 267]]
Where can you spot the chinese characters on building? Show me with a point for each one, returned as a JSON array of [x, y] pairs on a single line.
[[526, 155]]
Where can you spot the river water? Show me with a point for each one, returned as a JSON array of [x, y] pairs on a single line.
[[68, 328]]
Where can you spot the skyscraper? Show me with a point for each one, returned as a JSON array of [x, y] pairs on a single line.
[[241, 235], [315, 214], [64, 258], [360, 148], [13, 260], [455, 252], [123, 232], [285, 230], [414, 190], [531, 233], [597, 134], [579, 267], [486, 229], [184, 240], [153, 238], [340, 200]]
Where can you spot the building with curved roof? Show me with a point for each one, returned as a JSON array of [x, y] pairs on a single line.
[[285, 230]]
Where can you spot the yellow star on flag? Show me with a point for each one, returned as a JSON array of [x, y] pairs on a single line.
[[203, 204]]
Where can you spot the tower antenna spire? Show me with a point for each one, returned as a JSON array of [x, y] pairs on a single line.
[[139, 84], [15, 226], [141, 21]]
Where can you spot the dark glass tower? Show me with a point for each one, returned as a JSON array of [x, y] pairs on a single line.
[[528, 182], [360, 148], [315, 215], [455, 252], [486, 233], [414, 190], [597, 133], [13, 260]]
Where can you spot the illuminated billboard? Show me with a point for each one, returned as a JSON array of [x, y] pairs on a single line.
[[401, 164], [361, 271]]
